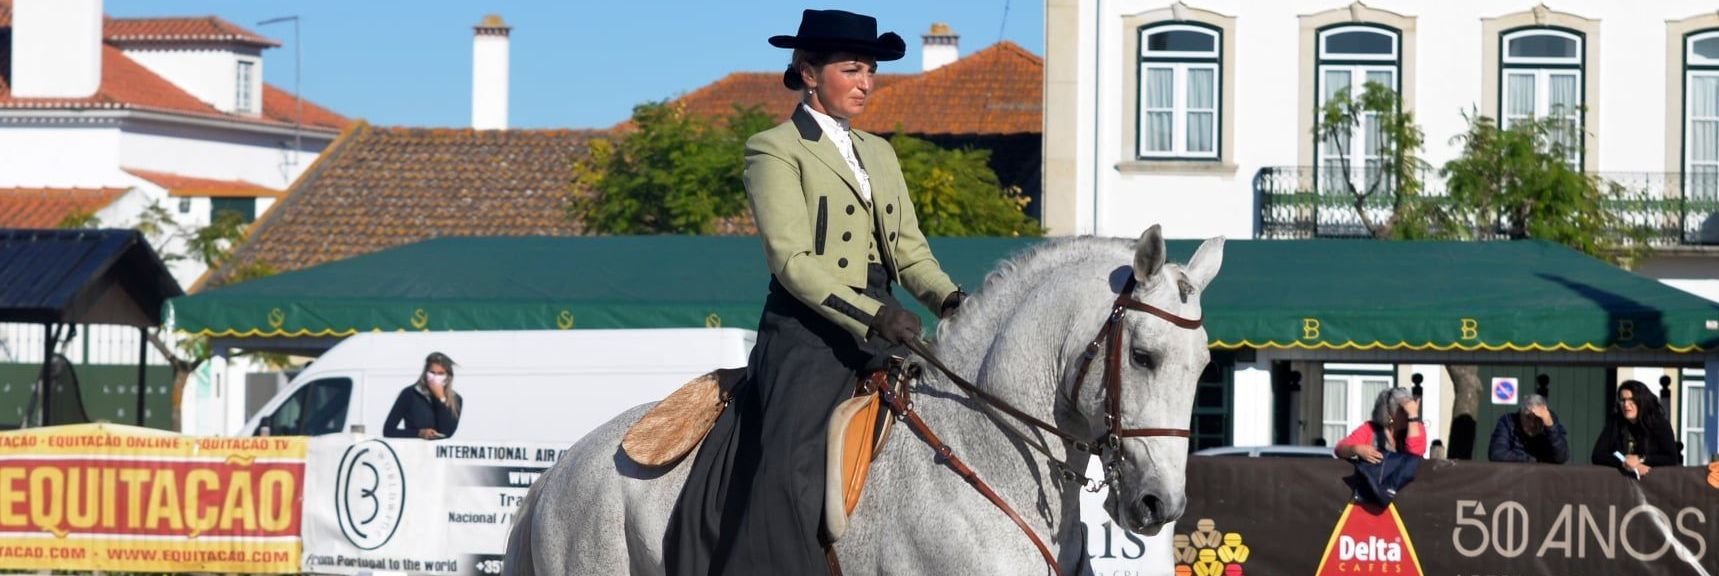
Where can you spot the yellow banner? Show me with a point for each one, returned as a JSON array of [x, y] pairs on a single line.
[[118, 498]]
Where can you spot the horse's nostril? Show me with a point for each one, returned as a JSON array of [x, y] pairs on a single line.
[[1153, 505]]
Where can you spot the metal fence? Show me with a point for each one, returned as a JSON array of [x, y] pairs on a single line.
[[1662, 209]]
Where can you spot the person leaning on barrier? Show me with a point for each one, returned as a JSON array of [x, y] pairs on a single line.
[[1532, 434], [1386, 449], [1637, 436]]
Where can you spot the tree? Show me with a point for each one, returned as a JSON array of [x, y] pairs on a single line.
[[681, 173], [1393, 183], [1518, 183], [955, 192], [1514, 183], [674, 173], [174, 242]]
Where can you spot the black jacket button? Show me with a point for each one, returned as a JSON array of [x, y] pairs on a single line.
[[842, 263], [850, 208], [891, 236], [888, 208], [846, 236]]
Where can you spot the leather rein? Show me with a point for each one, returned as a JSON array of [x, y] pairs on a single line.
[[1107, 448]]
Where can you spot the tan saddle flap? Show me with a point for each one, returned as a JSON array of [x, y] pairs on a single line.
[[858, 429], [677, 424]]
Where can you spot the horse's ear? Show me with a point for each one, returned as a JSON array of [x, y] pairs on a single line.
[[1149, 254], [1207, 260]]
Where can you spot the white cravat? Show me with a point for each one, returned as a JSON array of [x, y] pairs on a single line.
[[839, 133]]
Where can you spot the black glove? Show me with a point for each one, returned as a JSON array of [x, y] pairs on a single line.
[[951, 303], [895, 325]]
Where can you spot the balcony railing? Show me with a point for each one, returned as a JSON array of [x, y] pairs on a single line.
[[1662, 209]]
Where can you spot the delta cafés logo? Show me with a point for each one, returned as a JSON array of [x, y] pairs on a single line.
[[1208, 552], [1369, 540]]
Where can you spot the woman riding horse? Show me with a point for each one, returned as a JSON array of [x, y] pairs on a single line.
[[838, 230]]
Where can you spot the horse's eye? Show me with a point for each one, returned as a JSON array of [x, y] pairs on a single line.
[[1144, 359]]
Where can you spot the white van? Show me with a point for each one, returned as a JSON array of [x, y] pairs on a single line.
[[539, 385]]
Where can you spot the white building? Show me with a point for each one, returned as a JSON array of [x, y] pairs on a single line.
[[174, 110], [1192, 113], [111, 117]]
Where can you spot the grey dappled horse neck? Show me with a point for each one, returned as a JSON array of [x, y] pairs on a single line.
[[1020, 337]]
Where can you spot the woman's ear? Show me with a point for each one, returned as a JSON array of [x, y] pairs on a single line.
[[808, 76]]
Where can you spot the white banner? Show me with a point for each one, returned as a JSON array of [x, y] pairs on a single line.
[[414, 506]]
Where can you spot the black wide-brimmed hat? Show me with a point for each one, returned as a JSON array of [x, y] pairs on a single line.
[[842, 31]]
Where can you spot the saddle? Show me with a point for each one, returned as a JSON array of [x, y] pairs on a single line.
[[858, 429], [677, 424]]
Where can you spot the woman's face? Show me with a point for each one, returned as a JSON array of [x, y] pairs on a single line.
[[1626, 404], [840, 88]]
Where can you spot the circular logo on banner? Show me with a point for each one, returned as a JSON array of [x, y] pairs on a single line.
[[370, 494]]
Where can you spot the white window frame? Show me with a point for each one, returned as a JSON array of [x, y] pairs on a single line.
[[1358, 405], [1358, 66], [1542, 70], [1393, 57], [1179, 62], [244, 97], [1697, 66], [1693, 423]]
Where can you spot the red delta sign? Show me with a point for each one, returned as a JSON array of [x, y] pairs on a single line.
[[1369, 540]]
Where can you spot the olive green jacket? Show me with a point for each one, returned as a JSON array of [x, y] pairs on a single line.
[[817, 228]]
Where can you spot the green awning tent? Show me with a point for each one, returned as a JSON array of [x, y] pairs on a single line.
[[1272, 294]]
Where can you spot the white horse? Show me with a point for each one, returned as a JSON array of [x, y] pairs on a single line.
[[1021, 338]]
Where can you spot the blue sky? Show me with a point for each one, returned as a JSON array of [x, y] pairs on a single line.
[[575, 63]]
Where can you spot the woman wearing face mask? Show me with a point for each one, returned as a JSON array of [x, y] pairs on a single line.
[[1637, 436], [839, 229], [429, 408]]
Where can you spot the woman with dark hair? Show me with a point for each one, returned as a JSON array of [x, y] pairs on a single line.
[[838, 230], [429, 408], [1637, 435]]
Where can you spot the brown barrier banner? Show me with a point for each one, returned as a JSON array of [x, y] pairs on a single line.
[[119, 498], [1294, 517]]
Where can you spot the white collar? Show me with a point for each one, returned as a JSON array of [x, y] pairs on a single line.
[[830, 124]]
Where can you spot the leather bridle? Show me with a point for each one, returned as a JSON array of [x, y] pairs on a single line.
[[1108, 447]]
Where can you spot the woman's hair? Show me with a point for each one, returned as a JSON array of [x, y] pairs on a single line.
[[447, 364], [1385, 407], [802, 57], [1647, 409]]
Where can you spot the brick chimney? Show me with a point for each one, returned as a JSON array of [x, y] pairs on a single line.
[[489, 73], [942, 46], [56, 48]]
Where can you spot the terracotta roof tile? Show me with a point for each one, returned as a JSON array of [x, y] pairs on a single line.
[[48, 207], [380, 187], [193, 29], [998, 90], [761, 89], [279, 106], [180, 185]]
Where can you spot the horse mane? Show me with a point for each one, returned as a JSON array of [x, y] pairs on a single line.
[[1011, 282]]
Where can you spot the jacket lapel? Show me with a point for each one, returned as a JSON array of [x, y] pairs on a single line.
[[812, 137]]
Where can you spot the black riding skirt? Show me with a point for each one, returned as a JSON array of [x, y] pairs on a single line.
[[753, 502]]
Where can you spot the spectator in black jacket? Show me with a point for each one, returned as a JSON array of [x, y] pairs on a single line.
[[429, 408], [1638, 431], [1532, 434]]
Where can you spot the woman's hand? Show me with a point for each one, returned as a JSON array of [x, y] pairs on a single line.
[[1368, 453], [896, 324], [428, 433], [1633, 463], [1412, 408], [437, 389]]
